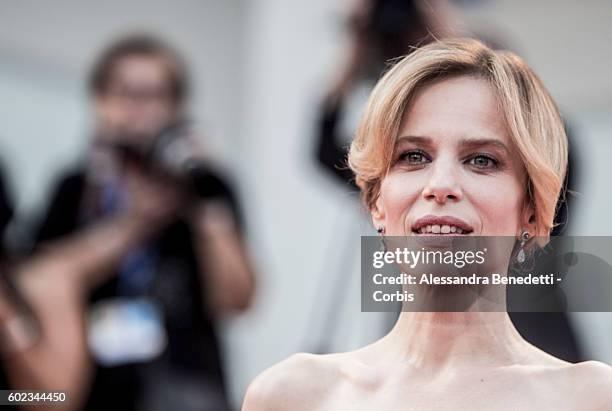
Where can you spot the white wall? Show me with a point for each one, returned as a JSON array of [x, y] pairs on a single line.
[[301, 220]]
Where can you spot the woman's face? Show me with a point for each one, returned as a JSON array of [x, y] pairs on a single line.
[[454, 170]]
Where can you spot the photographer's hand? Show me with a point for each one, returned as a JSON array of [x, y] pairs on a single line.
[[152, 201], [224, 259]]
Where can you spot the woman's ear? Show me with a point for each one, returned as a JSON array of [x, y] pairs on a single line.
[[528, 219], [378, 214]]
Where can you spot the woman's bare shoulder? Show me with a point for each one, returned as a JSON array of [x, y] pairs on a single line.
[[587, 385], [592, 381], [299, 382]]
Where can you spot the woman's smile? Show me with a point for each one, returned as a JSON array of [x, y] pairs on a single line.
[[441, 225]]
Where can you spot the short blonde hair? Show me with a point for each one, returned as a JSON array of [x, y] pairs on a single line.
[[531, 116]]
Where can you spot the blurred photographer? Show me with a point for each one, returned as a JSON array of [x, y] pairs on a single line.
[[379, 32], [151, 326], [43, 299]]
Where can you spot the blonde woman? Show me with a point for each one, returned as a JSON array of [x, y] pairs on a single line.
[[459, 135]]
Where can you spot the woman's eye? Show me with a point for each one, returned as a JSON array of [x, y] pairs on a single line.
[[482, 161], [414, 157]]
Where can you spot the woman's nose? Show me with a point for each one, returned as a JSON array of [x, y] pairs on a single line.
[[443, 184]]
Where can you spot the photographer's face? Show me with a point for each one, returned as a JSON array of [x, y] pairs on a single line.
[[137, 102], [455, 170]]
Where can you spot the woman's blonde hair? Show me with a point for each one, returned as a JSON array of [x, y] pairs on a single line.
[[531, 116]]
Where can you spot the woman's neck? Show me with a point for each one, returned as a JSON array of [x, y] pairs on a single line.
[[449, 339]]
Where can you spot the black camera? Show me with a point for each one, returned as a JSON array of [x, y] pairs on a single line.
[[172, 154]]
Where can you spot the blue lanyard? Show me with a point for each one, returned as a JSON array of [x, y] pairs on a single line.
[[137, 270]]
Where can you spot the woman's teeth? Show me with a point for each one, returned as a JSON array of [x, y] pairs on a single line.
[[440, 229]]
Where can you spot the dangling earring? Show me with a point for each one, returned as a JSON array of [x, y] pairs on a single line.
[[381, 234], [520, 257]]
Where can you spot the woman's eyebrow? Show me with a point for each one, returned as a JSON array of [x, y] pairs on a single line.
[[469, 142], [415, 139], [479, 142]]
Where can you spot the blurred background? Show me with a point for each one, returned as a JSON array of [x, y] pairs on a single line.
[[260, 73]]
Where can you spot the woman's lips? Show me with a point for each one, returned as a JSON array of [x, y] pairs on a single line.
[[441, 225]]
